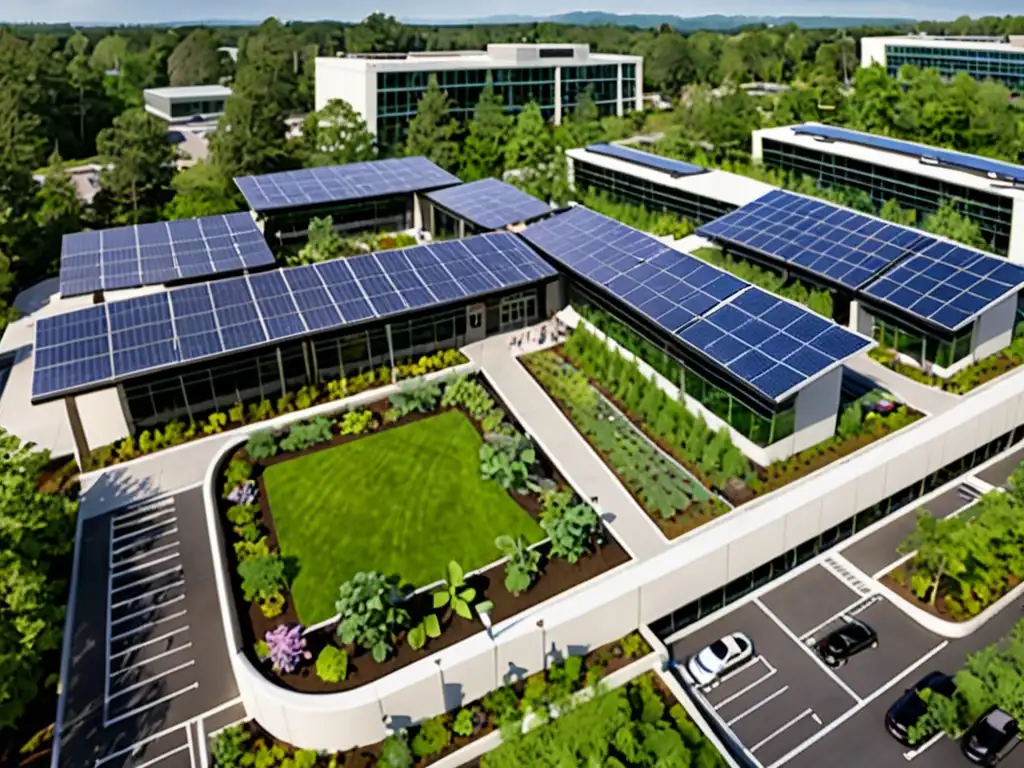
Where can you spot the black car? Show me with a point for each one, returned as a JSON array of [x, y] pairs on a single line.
[[910, 707], [984, 742], [840, 644]]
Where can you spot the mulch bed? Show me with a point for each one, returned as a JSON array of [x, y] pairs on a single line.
[[555, 577], [898, 580]]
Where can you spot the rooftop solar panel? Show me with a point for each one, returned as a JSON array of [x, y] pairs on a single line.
[[646, 159], [774, 346], [984, 165], [99, 345], [152, 254], [946, 284], [836, 244], [337, 183], [489, 203]]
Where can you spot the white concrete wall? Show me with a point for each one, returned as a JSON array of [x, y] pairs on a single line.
[[872, 51], [350, 80], [993, 330], [554, 296], [757, 147], [816, 410], [1016, 250]]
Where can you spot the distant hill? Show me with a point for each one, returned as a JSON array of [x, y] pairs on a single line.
[[684, 24]]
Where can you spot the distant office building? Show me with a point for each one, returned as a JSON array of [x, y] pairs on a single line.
[[916, 176], [998, 58], [385, 88], [187, 103]]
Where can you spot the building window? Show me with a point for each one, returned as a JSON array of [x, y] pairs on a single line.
[[923, 348]]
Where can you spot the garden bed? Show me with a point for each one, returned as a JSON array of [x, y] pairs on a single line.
[[505, 512], [960, 383]]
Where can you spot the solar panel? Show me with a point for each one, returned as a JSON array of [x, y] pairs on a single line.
[[984, 165], [667, 165], [152, 254], [337, 183], [98, 345], [947, 284], [836, 244], [489, 203], [774, 346]]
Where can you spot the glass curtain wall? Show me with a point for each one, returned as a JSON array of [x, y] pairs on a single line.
[[602, 79], [923, 348], [1006, 67], [391, 213]]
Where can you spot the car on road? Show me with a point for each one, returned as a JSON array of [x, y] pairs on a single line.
[[911, 706], [839, 645], [983, 743], [718, 658]]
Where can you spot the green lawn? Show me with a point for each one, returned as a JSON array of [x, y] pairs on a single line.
[[405, 501]]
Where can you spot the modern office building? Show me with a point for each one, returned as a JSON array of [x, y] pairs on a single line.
[[660, 184], [1000, 59], [916, 176], [487, 205], [187, 103], [385, 88]]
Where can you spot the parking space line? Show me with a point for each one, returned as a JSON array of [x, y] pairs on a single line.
[[740, 669], [746, 689], [855, 709], [143, 566], [147, 553], [142, 508], [204, 760], [792, 636], [135, 544], [911, 754], [751, 710], [850, 610], [150, 705], [141, 531], [147, 609], [135, 746], [781, 729], [123, 603], [191, 746], [136, 647], [149, 625], [154, 577], [164, 756], [153, 678], [150, 660], [121, 524]]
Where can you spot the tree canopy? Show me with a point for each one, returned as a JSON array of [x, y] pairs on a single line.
[[195, 60]]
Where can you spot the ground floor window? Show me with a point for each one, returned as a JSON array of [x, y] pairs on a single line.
[[517, 311], [924, 349], [391, 214]]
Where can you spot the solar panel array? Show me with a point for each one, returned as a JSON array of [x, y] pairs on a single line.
[[338, 183], [700, 304], [105, 342], [771, 344], [489, 203], [835, 243], [947, 284], [151, 254], [646, 159], [988, 166]]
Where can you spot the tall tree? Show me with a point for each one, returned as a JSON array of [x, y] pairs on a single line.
[[336, 135], [195, 61], [484, 150], [949, 222], [58, 212], [377, 33], [201, 190], [530, 152], [138, 163], [583, 126], [432, 131]]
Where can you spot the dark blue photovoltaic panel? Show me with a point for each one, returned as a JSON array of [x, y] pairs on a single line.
[[489, 203], [947, 284], [983, 165], [833, 243], [772, 345], [98, 345], [646, 159], [337, 183], [152, 254]]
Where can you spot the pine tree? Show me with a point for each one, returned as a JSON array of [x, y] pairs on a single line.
[[484, 152], [138, 166], [336, 135], [432, 131], [58, 211], [584, 124], [531, 152]]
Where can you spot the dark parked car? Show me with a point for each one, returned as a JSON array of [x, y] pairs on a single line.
[[840, 644], [910, 707], [984, 742]]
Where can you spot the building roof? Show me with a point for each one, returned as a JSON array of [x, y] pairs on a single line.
[[190, 92], [497, 55], [490, 204], [951, 43]]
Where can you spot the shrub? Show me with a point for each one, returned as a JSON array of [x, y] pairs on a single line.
[[260, 411], [464, 723], [287, 647], [262, 445], [303, 436], [356, 422], [215, 424], [230, 746], [370, 613], [634, 645], [850, 421], [570, 526], [522, 565], [272, 605], [332, 664], [418, 397], [238, 472], [469, 394], [493, 420], [395, 751], [261, 649], [247, 550], [508, 462], [240, 515], [431, 738], [502, 703], [262, 575], [306, 397]]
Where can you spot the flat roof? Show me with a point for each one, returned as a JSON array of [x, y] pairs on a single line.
[[911, 164], [490, 204], [725, 187], [445, 60], [951, 44], [188, 92]]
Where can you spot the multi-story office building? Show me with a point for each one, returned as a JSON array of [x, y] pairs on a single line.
[[386, 88], [915, 175], [998, 58], [187, 103]]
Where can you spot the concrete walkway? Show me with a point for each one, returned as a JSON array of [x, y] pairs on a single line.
[[928, 399], [565, 447]]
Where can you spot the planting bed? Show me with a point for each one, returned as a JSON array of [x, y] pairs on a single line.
[[963, 381], [404, 496]]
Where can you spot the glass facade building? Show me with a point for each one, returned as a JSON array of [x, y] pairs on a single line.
[[393, 214], [923, 347], [999, 64], [922, 193]]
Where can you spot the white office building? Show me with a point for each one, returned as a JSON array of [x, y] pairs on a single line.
[[187, 103], [386, 88], [998, 58]]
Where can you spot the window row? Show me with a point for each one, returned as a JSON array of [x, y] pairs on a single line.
[[922, 348]]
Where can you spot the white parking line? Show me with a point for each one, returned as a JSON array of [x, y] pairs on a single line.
[[164, 756], [191, 746], [782, 729], [130, 600], [150, 660], [140, 542], [855, 709], [153, 678], [147, 529], [746, 689], [851, 610], [121, 524], [763, 702], [154, 577], [148, 625], [147, 609], [739, 670], [147, 553], [792, 636], [136, 647], [150, 705], [141, 509], [911, 754], [143, 566]]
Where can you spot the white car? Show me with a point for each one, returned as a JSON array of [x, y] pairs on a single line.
[[719, 657]]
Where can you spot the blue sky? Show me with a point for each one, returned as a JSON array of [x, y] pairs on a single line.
[[136, 11]]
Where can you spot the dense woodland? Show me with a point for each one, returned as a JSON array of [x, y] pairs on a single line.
[[69, 96]]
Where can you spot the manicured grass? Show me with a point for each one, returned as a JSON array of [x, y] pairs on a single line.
[[405, 501]]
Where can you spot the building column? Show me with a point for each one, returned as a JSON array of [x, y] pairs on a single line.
[[433, 221], [462, 227], [417, 212], [558, 95], [280, 370], [619, 106], [77, 432], [1015, 250], [391, 352]]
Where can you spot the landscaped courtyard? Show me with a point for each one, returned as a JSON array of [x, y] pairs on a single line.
[[405, 501]]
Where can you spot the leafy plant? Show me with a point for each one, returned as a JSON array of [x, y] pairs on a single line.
[[493, 420], [247, 550], [238, 472], [455, 593], [465, 722], [418, 397], [262, 445], [395, 751], [272, 605], [522, 566], [570, 526], [370, 613], [508, 462], [332, 664], [428, 627], [260, 411], [215, 424], [230, 747], [242, 514], [306, 397], [634, 645], [431, 738], [356, 422], [262, 575], [850, 421], [469, 394], [287, 647], [303, 436]]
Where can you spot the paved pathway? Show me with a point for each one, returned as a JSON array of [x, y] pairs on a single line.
[[928, 399], [565, 447]]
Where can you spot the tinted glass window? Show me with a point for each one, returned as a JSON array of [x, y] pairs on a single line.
[[720, 649]]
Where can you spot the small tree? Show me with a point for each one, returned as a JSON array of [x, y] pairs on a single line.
[[484, 151], [432, 131], [337, 135], [530, 151], [938, 548], [370, 613]]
